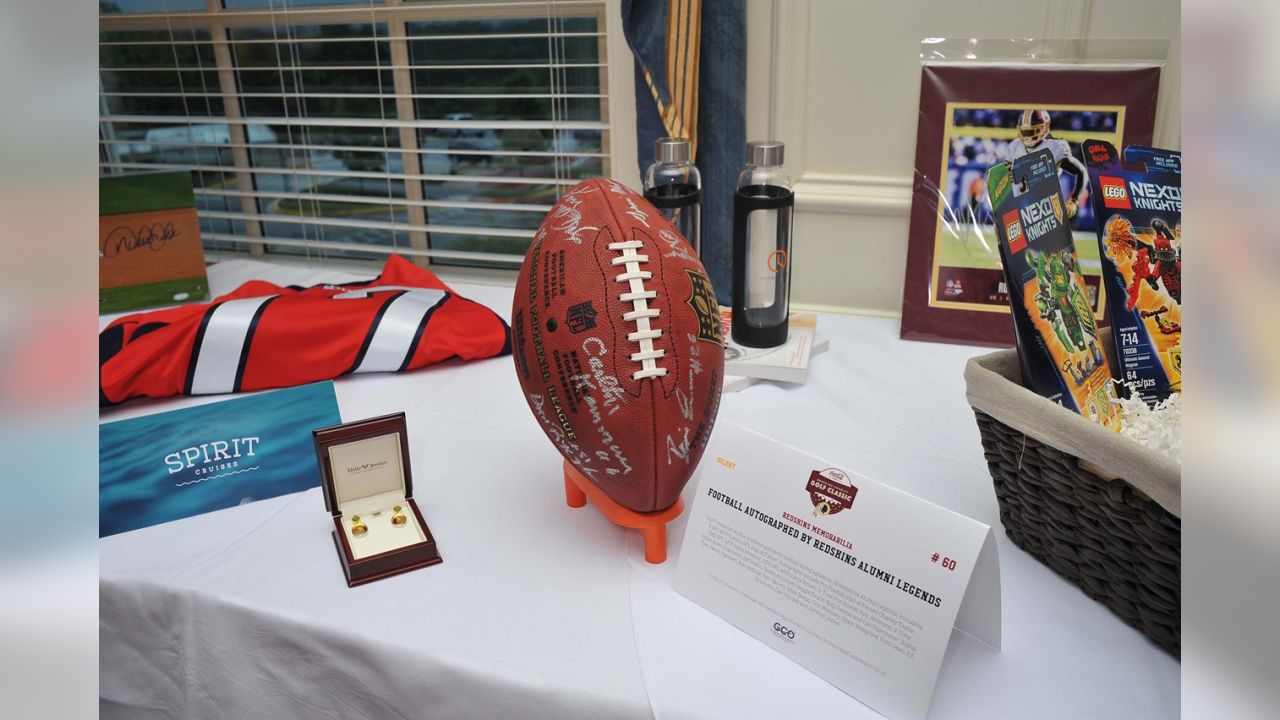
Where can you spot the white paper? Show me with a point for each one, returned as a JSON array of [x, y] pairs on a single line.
[[734, 383], [865, 595]]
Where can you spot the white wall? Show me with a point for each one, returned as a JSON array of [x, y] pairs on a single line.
[[839, 82]]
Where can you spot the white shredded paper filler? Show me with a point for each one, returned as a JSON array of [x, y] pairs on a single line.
[[1158, 428]]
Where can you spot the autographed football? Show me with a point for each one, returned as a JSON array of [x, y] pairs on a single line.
[[615, 331]]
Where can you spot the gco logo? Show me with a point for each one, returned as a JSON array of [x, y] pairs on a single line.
[[784, 632]]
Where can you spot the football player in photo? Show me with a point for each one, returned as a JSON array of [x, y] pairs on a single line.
[[1033, 135]]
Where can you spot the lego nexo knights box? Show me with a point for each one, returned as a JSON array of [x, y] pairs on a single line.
[[1138, 204], [1058, 345]]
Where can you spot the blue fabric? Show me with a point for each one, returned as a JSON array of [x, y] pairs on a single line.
[[649, 125], [722, 132], [722, 84], [645, 25]]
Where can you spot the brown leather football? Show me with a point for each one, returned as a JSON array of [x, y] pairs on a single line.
[[616, 338]]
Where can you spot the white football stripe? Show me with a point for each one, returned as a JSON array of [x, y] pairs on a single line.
[[374, 289], [393, 338], [218, 356]]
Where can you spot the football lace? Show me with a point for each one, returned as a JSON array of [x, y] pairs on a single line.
[[640, 313]]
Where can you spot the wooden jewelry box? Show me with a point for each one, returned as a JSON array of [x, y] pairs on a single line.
[[364, 468]]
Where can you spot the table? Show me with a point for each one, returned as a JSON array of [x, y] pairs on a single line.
[[540, 611]]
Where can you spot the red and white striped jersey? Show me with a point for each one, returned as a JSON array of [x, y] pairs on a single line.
[[262, 336]]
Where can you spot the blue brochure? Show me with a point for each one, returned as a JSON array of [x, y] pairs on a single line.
[[172, 465]]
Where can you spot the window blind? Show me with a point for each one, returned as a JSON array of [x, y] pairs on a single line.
[[436, 129]]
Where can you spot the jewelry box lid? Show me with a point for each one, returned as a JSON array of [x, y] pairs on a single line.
[[366, 451]]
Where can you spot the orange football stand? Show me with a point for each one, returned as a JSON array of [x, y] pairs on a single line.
[[652, 526]]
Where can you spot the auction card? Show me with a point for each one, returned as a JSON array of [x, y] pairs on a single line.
[[857, 581]]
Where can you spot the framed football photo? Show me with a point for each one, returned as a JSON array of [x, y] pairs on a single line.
[[973, 116]]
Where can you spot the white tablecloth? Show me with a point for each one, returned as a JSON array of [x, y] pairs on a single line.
[[540, 611]]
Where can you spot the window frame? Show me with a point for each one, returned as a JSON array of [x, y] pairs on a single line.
[[616, 85]]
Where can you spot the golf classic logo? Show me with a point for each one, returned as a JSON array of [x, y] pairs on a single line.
[[830, 491]]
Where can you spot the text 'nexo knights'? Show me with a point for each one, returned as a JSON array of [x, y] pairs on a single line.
[[1058, 340], [1138, 202]]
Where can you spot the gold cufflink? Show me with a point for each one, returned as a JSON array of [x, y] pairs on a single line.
[[398, 519], [358, 528]]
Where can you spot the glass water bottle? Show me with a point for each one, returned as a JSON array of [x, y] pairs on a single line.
[[762, 248], [674, 186]]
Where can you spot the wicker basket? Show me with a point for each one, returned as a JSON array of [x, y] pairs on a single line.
[[1080, 499]]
